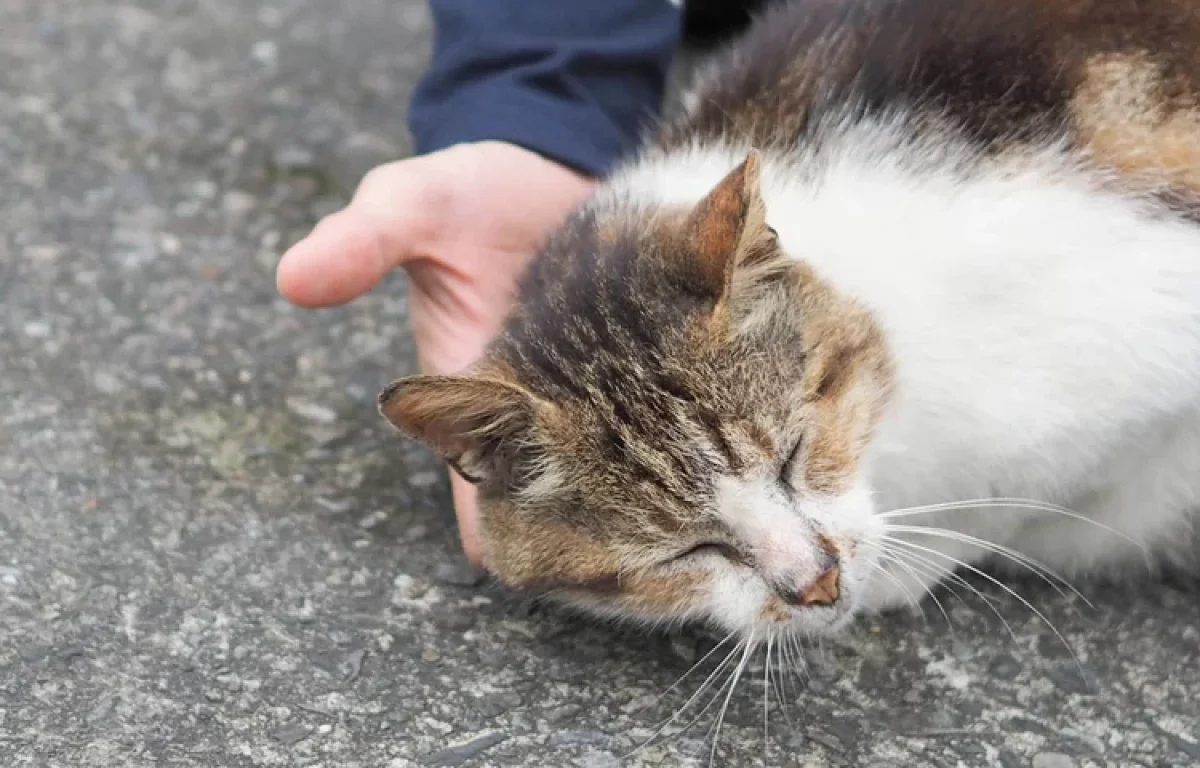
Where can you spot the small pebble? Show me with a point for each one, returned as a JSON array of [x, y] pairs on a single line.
[[294, 157], [311, 411], [204, 189], [264, 52], [238, 203], [291, 734], [460, 753], [370, 521], [403, 584], [565, 712], [106, 383], [684, 649], [1052, 760], [102, 710], [325, 434], [422, 479], [594, 759], [42, 253], [335, 505], [169, 244], [353, 664], [578, 738]]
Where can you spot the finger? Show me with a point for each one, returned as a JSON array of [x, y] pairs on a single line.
[[352, 250], [465, 506], [340, 260]]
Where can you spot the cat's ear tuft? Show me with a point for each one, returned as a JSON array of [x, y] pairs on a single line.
[[728, 228], [472, 423]]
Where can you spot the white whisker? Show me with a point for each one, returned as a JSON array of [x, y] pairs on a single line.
[[797, 664], [782, 676], [690, 670], [781, 679], [1042, 571], [939, 572], [928, 591], [737, 673], [939, 576], [913, 602], [729, 682], [1001, 502], [699, 691], [980, 503], [775, 685], [1000, 584], [767, 695]]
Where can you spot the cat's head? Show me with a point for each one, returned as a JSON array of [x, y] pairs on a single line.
[[672, 423]]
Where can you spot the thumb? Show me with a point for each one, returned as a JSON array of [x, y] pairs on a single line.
[[348, 252]]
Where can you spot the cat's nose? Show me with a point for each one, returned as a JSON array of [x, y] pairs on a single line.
[[822, 591]]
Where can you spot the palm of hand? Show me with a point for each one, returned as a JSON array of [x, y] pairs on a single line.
[[459, 222]]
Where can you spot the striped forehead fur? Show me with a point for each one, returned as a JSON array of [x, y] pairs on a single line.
[[603, 321]]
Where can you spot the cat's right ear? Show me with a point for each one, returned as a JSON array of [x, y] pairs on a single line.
[[472, 423], [728, 228]]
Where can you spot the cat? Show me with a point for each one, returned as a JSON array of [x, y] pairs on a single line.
[[907, 286]]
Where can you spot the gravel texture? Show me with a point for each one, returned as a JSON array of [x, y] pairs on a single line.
[[212, 551]]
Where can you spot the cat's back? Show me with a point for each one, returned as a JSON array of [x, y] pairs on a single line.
[[1116, 81]]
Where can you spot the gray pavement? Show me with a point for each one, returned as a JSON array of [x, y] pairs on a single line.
[[213, 553]]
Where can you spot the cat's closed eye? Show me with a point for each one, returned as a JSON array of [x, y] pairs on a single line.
[[788, 467], [709, 549]]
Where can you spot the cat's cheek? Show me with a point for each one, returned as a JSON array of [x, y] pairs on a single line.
[[883, 588], [849, 519], [862, 568], [883, 596]]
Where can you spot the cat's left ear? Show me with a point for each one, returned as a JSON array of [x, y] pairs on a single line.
[[728, 228], [473, 423]]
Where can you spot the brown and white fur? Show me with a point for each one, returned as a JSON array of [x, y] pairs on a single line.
[[896, 258]]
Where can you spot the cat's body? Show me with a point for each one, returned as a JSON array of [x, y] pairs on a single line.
[[894, 254]]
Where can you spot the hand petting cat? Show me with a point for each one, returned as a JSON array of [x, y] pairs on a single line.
[[462, 222]]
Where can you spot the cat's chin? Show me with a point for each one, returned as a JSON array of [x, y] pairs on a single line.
[[801, 623], [806, 627], [801, 627]]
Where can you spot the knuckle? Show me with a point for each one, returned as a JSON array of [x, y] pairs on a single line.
[[380, 177]]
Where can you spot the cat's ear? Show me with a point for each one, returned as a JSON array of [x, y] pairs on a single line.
[[728, 228], [472, 423]]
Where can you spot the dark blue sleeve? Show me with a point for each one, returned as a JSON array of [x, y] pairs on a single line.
[[574, 80]]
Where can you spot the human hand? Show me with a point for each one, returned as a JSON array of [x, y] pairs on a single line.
[[463, 223]]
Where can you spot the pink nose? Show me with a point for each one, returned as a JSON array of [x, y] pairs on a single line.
[[823, 591]]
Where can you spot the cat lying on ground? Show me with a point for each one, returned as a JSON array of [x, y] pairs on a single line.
[[909, 286]]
